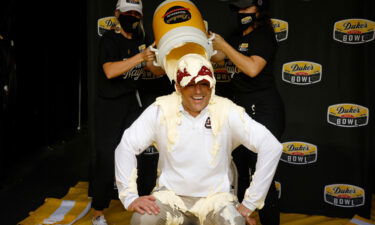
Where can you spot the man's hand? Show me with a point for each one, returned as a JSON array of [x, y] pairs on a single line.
[[145, 204], [245, 212]]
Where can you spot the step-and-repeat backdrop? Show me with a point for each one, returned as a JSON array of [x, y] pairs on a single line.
[[325, 73]]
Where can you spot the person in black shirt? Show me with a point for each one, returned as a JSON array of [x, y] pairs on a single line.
[[122, 56], [152, 86], [223, 78], [252, 52]]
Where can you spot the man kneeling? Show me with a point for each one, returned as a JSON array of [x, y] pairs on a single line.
[[195, 132]]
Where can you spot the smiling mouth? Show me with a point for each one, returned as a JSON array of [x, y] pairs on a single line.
[[197, 98]]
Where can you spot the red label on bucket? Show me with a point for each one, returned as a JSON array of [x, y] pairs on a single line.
[[177, 14]]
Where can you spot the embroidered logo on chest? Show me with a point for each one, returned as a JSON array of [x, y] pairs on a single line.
[[208, 123]]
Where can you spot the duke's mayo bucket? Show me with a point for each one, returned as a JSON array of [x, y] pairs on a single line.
[[179, 30]]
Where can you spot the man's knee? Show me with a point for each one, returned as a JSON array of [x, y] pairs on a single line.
[[146, 219], [166, 214], [228, 215]]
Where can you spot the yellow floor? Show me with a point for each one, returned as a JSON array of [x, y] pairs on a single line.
[[116, 215]]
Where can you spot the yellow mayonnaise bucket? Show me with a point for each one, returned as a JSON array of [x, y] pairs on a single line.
[[179, 30]]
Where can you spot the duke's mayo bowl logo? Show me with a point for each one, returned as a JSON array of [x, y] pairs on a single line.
[[299, 153], [246, 20], [221, 73], [147, 75], [243, 47], [231, 68], [177, 14], [278, 189], [344, 195], [354, 31], [347, 115], [302, 72], [281, 29], [106, 23]]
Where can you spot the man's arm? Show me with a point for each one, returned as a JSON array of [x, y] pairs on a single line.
[[135, 139], [258, 139]]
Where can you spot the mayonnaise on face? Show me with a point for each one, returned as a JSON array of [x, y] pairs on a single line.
[[193, 64]]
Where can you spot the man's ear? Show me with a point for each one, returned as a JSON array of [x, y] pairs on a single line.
[[177, 87]]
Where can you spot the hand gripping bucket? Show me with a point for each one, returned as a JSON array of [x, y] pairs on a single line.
[[179, 30]]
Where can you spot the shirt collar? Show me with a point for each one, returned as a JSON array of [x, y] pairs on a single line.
[[186, 113]]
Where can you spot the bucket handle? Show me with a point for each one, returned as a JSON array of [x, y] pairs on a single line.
[[156, 51], [212, 37]]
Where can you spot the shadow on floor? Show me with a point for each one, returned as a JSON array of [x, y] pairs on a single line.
[[48, 173]]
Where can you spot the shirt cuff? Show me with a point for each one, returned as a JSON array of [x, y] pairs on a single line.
[[129, 199], [248, 205]]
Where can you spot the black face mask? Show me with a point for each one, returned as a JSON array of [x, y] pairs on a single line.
[[128, 23], [245, 20]]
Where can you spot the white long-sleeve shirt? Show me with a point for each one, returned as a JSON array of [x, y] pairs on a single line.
[[195, 152]]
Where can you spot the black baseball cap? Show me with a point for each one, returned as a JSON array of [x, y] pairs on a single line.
[[242, 4]]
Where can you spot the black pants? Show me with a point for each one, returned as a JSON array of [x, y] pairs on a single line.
[[267, 108], [147, 164], [112, 117]]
